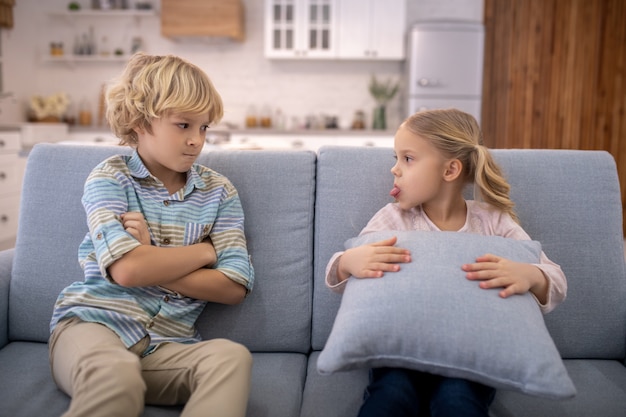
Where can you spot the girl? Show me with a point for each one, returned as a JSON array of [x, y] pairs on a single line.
[[438, 153]]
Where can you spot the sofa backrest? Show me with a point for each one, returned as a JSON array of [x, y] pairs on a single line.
[[568, 200], [277, 194]]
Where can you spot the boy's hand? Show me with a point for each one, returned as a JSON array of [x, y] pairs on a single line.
[[135, 224], [373, 260], [514, 277]]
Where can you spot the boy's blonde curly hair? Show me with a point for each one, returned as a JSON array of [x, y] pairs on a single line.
[[151, 86]]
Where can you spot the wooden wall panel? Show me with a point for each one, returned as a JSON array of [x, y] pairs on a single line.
[[555, 76]]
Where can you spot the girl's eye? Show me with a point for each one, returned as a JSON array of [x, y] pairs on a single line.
[[183, 125], [204, 128], [408, 159]]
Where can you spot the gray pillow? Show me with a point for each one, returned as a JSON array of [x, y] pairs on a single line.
[[429, 317]]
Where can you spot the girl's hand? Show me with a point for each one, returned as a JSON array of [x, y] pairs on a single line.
[[514, 277], [373, 260], [135, 224]]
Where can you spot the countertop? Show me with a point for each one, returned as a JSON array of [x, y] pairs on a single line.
[[263, 131]]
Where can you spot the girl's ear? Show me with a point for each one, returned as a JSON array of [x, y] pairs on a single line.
[[454, 167]]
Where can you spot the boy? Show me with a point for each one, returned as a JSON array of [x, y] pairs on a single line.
[[165, 237]]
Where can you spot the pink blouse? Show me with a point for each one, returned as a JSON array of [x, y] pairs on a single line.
[[482, 219]]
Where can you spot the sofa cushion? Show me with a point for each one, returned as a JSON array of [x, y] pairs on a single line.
[[601, 386], [568, 200], [341, 393], [429, 317], [27, 388], [277, 194], [52, 224]]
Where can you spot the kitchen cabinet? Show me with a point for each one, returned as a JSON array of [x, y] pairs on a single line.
[[198, 18], [372, 29], [69, 28], [11, 173], [34, 133], [300, 28]]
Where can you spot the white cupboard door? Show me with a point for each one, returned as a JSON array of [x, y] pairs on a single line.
[[320, 36], [10, 174], [354, 30], [300, 28], [388, 27], [372, 29], [280, 27], [9, 210]]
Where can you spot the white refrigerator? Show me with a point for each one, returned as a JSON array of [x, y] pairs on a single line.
[[445, 66]]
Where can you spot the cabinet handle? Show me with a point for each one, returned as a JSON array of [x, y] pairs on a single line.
[[2, 143], [427, 82], [3, 176], [4, 218]]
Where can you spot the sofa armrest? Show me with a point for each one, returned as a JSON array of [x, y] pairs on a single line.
[[6, 266]]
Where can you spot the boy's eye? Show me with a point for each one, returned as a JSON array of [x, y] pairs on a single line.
[[204, 127], [183, 125]]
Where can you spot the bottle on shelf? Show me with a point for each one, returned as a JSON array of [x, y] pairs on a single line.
[[84, 114], [266, 116], [104, 46], [251, 117]]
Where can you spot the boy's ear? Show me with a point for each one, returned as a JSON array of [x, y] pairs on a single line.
[[454, 167]]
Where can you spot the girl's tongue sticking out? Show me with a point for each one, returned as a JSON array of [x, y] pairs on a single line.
[[394, 192]]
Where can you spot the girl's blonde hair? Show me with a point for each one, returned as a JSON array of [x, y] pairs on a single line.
[[151, 86], [457, 135]]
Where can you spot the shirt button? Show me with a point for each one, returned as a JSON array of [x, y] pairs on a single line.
[[166, 241], [166, 203], [166, 298], [99, 236]]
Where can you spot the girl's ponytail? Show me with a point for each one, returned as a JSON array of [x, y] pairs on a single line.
[[493, 187]]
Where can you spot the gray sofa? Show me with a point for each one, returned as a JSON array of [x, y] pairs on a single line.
[[300, 208]]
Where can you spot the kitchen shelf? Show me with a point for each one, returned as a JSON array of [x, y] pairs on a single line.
[[92, 16], [105, 13], [70, 59]]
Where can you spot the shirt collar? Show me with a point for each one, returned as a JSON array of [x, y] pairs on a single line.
[[136, 166], [139, 170]]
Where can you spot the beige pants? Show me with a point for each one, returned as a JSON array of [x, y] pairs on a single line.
[[91, 364]]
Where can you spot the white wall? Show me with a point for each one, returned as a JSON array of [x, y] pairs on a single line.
[[239, 70]]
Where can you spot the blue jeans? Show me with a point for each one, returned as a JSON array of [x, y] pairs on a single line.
[[397, 392]]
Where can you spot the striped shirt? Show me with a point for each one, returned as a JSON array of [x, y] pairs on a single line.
[[207, 206]]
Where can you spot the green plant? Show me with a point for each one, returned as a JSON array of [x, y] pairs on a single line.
[[383, 92]]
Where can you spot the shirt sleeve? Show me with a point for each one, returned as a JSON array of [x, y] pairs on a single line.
[[387, 218], [104, 200], [557, 283], [229, 240]]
